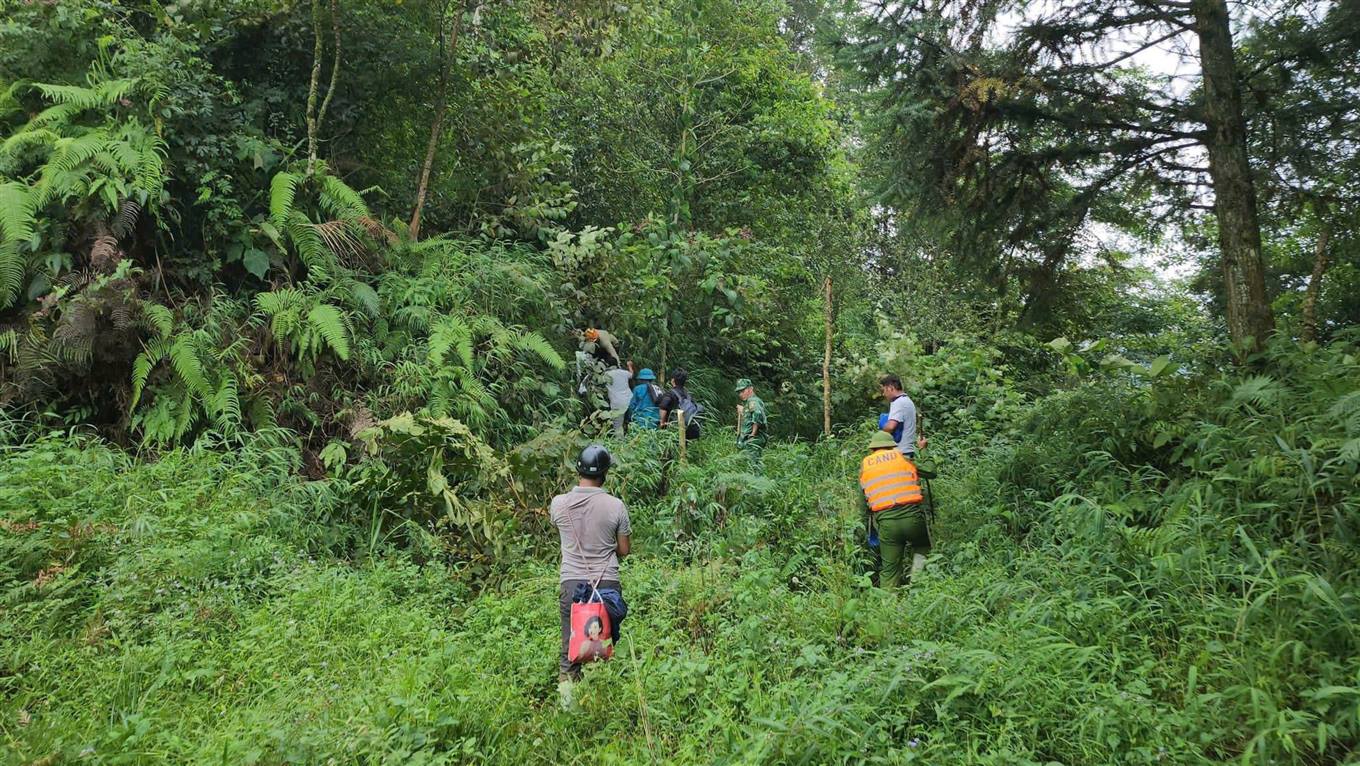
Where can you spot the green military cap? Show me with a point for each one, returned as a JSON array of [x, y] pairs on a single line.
[[743, 384], [881, 440]]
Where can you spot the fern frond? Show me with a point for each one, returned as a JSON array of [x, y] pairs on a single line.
[[450, 333], [17, 211], [187, 415], [70, 152], [128, 153], [9, 344], [16, 226], [226, 404], [11, 273], [74, 95], [365, 297], [143, 365], [282, 300], [329, 322], [340, 201], [502, 341], [128, 213], [261, 412], [337, 236], [57, 114], [282, 193], [149, 176], [111, 91], [474, 402], [103, 94], [533, 343], [8, 103], [15, 143], [311, 248], [184, 358], [159, 317], [73, 340]]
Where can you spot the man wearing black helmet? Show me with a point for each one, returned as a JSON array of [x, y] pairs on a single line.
[[593, 529]]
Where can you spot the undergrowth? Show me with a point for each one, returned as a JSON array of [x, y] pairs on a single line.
[[1136, 573]]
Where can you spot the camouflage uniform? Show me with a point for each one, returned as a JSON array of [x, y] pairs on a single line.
[[752, 415]]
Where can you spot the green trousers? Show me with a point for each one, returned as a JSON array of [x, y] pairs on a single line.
[[902, 534], [753, 449]]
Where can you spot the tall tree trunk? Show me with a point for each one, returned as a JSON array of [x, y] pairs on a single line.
[[680, 213], [665, 347], [1309, 332], [1250, 319], [312, 89], [448, 50], [423, 188], [335, 74], [1043, 284], [826, 359], [316, 116]]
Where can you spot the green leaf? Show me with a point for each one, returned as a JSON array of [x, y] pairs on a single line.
[[1116, 362], [334, 455], [256, 262], [1060, 344], [1159, 366]]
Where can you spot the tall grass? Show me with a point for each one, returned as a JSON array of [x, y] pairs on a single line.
[[1134, 574]]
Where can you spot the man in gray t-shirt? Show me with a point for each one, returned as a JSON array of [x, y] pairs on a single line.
[[594, 533], [901, 411]]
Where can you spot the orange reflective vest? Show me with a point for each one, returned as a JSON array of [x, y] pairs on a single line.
[[889, 480]]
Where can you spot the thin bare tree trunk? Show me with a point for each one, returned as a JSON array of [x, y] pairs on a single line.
[[440, 112], [1250, 319], [312, 89], [665, 335], [682, 424], [826, 361], [414, 227], [335, 77], [1309, 332]]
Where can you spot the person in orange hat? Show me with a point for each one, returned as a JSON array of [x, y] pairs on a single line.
[[600, 344]]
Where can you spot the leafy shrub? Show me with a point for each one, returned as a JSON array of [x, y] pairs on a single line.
[[435, 483]]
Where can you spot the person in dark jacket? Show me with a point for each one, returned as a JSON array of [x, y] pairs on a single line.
[[678, 400]]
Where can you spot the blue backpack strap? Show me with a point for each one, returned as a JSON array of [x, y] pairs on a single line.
[[897, 432]]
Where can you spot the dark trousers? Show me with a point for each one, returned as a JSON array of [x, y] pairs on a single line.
[[567, 669]]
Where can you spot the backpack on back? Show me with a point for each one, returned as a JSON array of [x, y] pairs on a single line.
[[897, 432], [690, 407]]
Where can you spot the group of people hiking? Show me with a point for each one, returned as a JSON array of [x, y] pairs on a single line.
[[633, 398], [595, 532]]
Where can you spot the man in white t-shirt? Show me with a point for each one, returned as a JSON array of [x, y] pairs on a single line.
[[901, 412], [620, 391]]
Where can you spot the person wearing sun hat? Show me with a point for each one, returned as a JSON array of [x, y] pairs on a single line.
[[892, 499], [751, 422], [643, 410]]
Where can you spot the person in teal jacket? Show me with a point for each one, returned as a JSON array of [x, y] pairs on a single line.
[[642, 409]]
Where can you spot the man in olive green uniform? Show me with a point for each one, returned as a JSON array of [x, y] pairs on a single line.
[[751, 436], [892, 499]]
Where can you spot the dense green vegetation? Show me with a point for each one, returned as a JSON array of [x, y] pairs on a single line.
[[1118, 584], [289, 295]]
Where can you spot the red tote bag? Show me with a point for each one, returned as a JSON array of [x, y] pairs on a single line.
[[591, 636]]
